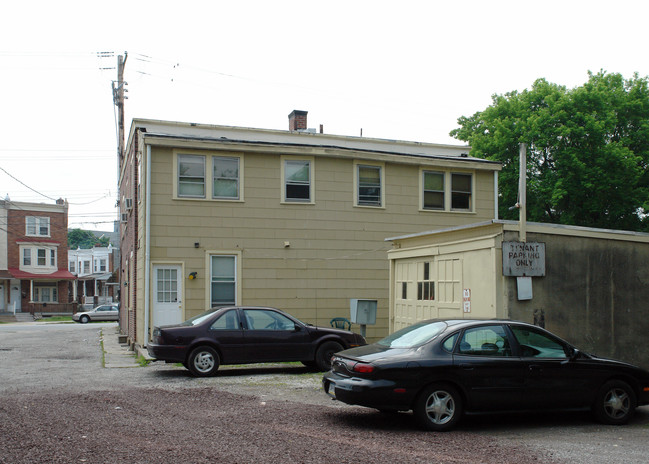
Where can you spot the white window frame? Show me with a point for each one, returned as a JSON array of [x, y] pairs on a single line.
[[209, 159], [208, 273], [448, 190], [358, 164], [179, 158], [37, 224], [422, 189], [285, 159], [52, 293], [237, 179], [470, 193]]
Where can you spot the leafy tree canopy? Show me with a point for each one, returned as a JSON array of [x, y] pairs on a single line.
[[588, 150], [78, 238]]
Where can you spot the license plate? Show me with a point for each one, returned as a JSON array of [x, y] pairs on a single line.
[[331, 389]]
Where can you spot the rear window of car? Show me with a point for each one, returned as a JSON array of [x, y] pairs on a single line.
[[414, 335], [200, 318]]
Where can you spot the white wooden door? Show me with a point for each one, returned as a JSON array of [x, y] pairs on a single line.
[[167, 295]]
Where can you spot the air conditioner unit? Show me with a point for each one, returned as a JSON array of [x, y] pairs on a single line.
[[129, 203], [124, 217]]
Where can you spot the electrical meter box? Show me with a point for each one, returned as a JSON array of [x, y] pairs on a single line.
[[362, 311]]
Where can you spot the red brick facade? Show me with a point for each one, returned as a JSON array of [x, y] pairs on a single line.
[[55, 240]]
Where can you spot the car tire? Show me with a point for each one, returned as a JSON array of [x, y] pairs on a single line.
[[84, 319], [438, 407], [615, 403], [324, 354], [203, 361]]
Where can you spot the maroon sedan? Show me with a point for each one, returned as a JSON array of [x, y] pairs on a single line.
[[240, 335]]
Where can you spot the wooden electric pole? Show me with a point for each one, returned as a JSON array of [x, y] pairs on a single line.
[[118, 100]]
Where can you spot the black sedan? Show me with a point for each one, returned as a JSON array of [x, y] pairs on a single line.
[[441, 369], [240, 335]]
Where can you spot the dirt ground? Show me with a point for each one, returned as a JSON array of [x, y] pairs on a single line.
[[59, 404]]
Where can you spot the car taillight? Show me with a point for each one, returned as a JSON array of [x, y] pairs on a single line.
[[363, 368]]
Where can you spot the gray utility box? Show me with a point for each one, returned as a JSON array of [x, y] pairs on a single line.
[[362, 311]]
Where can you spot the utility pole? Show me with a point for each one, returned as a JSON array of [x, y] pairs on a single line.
[[118, 100], [522, 192]]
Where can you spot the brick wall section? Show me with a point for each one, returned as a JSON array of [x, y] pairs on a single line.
[[16, 232], [127, 272]]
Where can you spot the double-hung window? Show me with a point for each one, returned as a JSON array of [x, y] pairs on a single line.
[[461, 191], [369, 180], [191, 176], [37, 226], [446, 191], [223, 280], [225, 183], [433, 194], [27, 256], [297, 180]]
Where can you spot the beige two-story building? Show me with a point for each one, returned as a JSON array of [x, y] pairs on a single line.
[[217, 215]]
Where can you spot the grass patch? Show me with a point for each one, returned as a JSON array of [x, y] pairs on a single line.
[[57, 319], [142, 361]]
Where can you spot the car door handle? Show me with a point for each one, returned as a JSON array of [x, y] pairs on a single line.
[[466, 366], [535, 368]]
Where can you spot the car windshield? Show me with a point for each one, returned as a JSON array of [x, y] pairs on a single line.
[[413, 335], [200, 318]]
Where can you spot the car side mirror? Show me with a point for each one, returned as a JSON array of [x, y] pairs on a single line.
[[572, 356], [298, 328]]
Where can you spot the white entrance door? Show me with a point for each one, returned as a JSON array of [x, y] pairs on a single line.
[[2, 297], [15, 302], [167, 295]]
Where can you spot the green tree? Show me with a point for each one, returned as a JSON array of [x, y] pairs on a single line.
[[78, 238], [588, 150]]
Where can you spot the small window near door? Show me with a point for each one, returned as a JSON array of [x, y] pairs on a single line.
[[223, 280]]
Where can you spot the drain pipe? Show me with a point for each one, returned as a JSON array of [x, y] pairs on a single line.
[[147, 245]]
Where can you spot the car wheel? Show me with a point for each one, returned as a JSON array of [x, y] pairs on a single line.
[[84, 319], [438, 408], [324, 354], [203, 361], [615, 403]]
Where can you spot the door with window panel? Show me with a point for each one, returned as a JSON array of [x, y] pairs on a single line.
[[167, 294]]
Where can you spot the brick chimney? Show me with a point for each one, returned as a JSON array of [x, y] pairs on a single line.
[[297, 120]]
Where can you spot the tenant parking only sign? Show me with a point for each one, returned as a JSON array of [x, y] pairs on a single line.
[[523, 259]]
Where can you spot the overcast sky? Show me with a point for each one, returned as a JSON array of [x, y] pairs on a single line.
[[402, 70]]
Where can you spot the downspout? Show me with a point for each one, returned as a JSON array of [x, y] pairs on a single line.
[[147, 244], [496, 195]]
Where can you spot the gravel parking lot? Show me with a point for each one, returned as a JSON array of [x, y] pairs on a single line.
[[70, 393]]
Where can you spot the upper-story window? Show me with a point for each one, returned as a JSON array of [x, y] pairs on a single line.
[[297, 180], [191, 176], [225, 177], [72, 266], [461, 191], [369, 185], [204, 177], [38, 257], [102, 265], [37, 226], [446, 191], [433, 190]]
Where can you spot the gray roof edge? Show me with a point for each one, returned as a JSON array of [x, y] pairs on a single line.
[[505, 222]]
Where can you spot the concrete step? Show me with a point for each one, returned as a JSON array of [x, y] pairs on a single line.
[[19, 317]]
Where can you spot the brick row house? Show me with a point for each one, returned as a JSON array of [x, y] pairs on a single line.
[[220, 215], [34, 276]]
